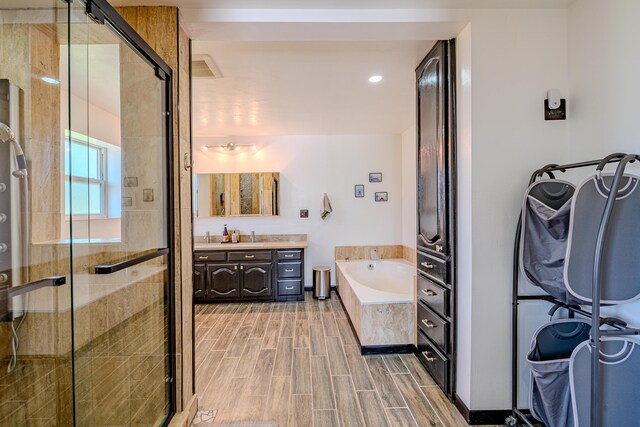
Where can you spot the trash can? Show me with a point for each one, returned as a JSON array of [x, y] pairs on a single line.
[[322, 282]]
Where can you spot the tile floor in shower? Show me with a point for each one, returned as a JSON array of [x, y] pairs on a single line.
[[298, 364]]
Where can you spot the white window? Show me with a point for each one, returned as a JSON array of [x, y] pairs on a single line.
[[85, 178]]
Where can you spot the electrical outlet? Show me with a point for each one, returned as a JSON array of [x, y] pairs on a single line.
[[304, 213]]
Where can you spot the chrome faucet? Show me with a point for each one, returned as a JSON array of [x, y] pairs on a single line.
[[207, 237], [253, 236], [373, 255]]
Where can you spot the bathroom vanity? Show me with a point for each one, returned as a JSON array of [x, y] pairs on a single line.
[[265, 271]]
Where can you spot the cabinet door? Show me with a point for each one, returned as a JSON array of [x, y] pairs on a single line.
[[199, 282], [431, 86], [223, 281], [256, 280]]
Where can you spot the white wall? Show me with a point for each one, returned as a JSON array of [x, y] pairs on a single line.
[[507, 60], [310, 166], [465, 217], [409, 179], [604, 65]]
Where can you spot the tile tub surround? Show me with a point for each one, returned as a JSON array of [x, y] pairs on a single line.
[[364, 252], [384, 251], [377, 324], [410, 254], [300, 367]]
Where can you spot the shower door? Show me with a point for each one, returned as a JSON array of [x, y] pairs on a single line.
[[118, 205], [86, 296], [36, 374]]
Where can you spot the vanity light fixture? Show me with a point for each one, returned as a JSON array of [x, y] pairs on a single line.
[[231, 148], [375, 79]]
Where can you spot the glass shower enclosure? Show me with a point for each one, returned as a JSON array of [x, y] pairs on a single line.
[[86, 299]]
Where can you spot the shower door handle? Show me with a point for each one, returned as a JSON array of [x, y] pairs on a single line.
[[30, 287], [109, 269], [14, 291]]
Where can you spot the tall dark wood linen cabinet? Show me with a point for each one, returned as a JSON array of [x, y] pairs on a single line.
[[436, 216]]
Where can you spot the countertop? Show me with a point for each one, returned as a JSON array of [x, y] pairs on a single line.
[[249, 246]]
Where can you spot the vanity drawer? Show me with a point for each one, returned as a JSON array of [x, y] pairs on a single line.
[[290, 287], [433, 268], [433, 295], [433, 326], [250, 256], [435, 362], [289, 269], [209, 256], [289, 255]]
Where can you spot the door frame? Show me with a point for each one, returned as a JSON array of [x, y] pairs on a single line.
[[101, 12]]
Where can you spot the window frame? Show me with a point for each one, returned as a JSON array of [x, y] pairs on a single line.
[[102, 172]]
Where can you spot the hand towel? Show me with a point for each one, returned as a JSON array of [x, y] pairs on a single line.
[[326, 207]]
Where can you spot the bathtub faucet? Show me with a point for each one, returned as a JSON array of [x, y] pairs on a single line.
[[373, 254]]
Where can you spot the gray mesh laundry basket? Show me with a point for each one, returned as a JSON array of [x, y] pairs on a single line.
[[546, 215], [551, 348], [619, 374], [559, 230], [620, 268]]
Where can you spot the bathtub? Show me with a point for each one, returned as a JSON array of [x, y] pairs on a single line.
[[379, 297]]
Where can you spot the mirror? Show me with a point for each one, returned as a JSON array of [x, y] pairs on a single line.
[[237, 194]]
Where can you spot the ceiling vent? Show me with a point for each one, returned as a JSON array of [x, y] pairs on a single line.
[[203, 67]]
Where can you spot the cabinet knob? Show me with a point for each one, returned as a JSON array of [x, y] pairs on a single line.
[[288, 255], [249, 256], [429, 356], [429, 293], [235, 267], [427, 265], [429, 324], [242, 267], [288, 287], [439, 248], [288, 270]]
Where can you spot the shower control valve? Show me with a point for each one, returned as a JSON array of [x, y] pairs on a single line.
[[3, 247], [3, 217]]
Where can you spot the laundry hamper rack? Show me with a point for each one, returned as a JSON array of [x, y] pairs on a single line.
[[606, 334]]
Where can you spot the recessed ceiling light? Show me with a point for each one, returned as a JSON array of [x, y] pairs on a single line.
[[375, 79], [50, 80]]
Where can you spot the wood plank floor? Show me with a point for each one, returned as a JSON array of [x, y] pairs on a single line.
[[297, 364]]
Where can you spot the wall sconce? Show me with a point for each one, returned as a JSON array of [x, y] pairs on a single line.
[[230, 148], [555, 107]]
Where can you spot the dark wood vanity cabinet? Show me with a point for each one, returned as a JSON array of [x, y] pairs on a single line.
[[223, 281], [251, 275], [255, 280], [436, 216], [199, 281]]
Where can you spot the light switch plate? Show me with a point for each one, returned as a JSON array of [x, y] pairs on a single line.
[[304, 213]]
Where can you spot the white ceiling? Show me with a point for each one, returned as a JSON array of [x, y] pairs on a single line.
[[350, 4], [95, 74], [293, 88]]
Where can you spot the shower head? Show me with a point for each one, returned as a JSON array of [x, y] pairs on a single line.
[[7, 135]]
